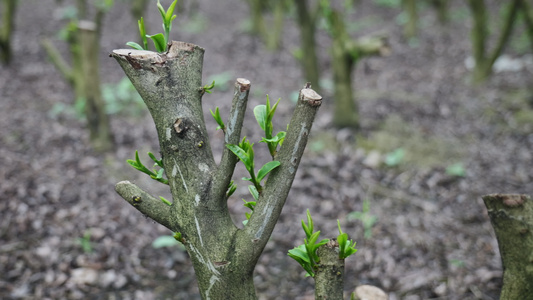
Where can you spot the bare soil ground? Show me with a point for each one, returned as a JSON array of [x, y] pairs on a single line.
[[432, 240]]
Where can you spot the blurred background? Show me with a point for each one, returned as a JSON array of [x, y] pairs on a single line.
[[427, 107]]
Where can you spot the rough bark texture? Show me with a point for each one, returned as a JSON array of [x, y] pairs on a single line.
[[512, 219], [8, 20], [329, 278], [223, 256]]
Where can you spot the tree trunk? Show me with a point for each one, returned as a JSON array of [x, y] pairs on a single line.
[[6, 30], [97, 118], [346, 111], [484, 62], [84, 75], [512, 219], [272, 37], [309, 60], [410, 28], [345, 53], [223, 255], [329, 278]]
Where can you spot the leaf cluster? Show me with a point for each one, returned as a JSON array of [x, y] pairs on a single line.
[[306, 254], [346, 247], [160, 40], [245, 152], [217, 117], [154, 174], [264, 115]]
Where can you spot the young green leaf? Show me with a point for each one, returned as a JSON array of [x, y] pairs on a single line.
[[142, 31], [310, 222], [346, 248], [240, 153], [160, 174], [159, 42], [278, 139], [218, 118], [208, 88], [250, 205], [231, 189], [342, 239], [260, 113], [266, 169], [300, 253], [272, 110], [161, 10], [254, 192], [134, 45], [168, 16], [307, 230]]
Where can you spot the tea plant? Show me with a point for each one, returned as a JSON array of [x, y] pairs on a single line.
[[160, 40]]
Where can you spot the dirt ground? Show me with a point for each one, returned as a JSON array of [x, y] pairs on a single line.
[[432, 238]]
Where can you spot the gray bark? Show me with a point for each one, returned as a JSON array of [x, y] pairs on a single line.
[[512, 219], [223, 255], [329, 278]]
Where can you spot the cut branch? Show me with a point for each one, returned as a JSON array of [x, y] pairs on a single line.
[[511, 216], [170, 85], [255, 235], [147, 204], [329, 278], [232, 136]]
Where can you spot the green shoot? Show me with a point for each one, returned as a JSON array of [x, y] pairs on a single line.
[[167, 17], [251, 204], [142, 31], [306, 254], [160, 40], [346, 247], [154, 174], [208, 87], [245, 152], [264, 115], [231, 189], [218, 119]]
